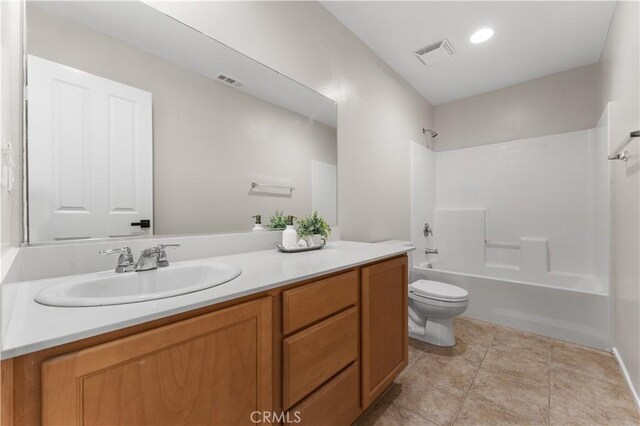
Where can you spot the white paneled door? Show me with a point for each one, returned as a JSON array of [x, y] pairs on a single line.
[[90, 164]]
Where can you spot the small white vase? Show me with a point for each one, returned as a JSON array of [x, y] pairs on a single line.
[[315, 240]]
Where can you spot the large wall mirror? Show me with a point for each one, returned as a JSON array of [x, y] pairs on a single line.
[[139, 125]]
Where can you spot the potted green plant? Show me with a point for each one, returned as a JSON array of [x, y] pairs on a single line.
[[277, 221], [313, 229]]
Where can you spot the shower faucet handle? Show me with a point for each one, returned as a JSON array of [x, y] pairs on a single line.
[[427, 230]]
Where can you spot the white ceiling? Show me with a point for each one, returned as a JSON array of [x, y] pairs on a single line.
[[531, 40]]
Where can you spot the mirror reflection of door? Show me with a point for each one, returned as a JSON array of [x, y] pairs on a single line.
[[89, 155]]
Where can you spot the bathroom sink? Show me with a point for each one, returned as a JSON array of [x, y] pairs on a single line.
[[130, 287]]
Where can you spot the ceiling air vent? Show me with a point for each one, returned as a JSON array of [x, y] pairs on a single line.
[[435, 52], [229, 80]]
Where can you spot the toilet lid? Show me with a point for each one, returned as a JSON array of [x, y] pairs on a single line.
[[438, 291]]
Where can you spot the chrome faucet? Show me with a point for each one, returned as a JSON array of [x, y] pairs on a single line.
[[125, 260], [153, 258], [148, 259], [163, 262], [431, 251]]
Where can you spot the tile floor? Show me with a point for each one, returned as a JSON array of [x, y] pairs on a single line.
[[496, 375]]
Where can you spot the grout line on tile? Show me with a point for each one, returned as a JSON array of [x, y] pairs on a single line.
[[474, 377]]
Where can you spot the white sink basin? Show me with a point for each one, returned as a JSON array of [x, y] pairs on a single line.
[[130, 287]]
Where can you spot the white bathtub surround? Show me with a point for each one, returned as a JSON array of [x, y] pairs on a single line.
[[529, 210], [524, 227], [464, 248], [32, 326]]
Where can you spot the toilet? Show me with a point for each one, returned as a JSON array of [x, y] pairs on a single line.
[[432, 307]]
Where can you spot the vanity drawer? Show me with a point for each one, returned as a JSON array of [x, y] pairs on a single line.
[[304, 305], [314, 355], [335, 403]]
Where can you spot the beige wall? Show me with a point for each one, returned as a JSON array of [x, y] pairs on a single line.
[[558, 103], [210, 140], [11, 128], [378, 112], [621, 86]]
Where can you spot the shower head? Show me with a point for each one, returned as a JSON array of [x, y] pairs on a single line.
[[433, 133]]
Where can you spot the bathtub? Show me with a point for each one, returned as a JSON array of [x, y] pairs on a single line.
[[573, 308]]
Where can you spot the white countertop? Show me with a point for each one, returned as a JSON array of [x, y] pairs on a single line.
[[32, 327]]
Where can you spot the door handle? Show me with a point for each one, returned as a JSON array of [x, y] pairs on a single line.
[[144, 223]]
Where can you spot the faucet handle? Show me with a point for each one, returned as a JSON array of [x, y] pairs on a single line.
[[164, 246], [125, 260], [121, 250], [427, 230], [163, 262]]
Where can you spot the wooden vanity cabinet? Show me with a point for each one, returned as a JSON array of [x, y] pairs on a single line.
[[320, 351], [385, 334], [214, 369]]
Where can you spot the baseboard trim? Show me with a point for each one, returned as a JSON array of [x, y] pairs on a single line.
[[627, 378]]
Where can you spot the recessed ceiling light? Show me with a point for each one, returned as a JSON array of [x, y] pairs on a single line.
[[481, 35]]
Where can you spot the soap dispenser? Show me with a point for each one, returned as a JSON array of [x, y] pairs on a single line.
[[258, 225], [289, 235]]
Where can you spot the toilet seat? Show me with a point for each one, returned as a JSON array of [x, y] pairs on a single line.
[[433, 302], [438, 291]]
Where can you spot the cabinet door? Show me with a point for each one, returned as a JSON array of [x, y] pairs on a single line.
[[214, 369], [385, 334]]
